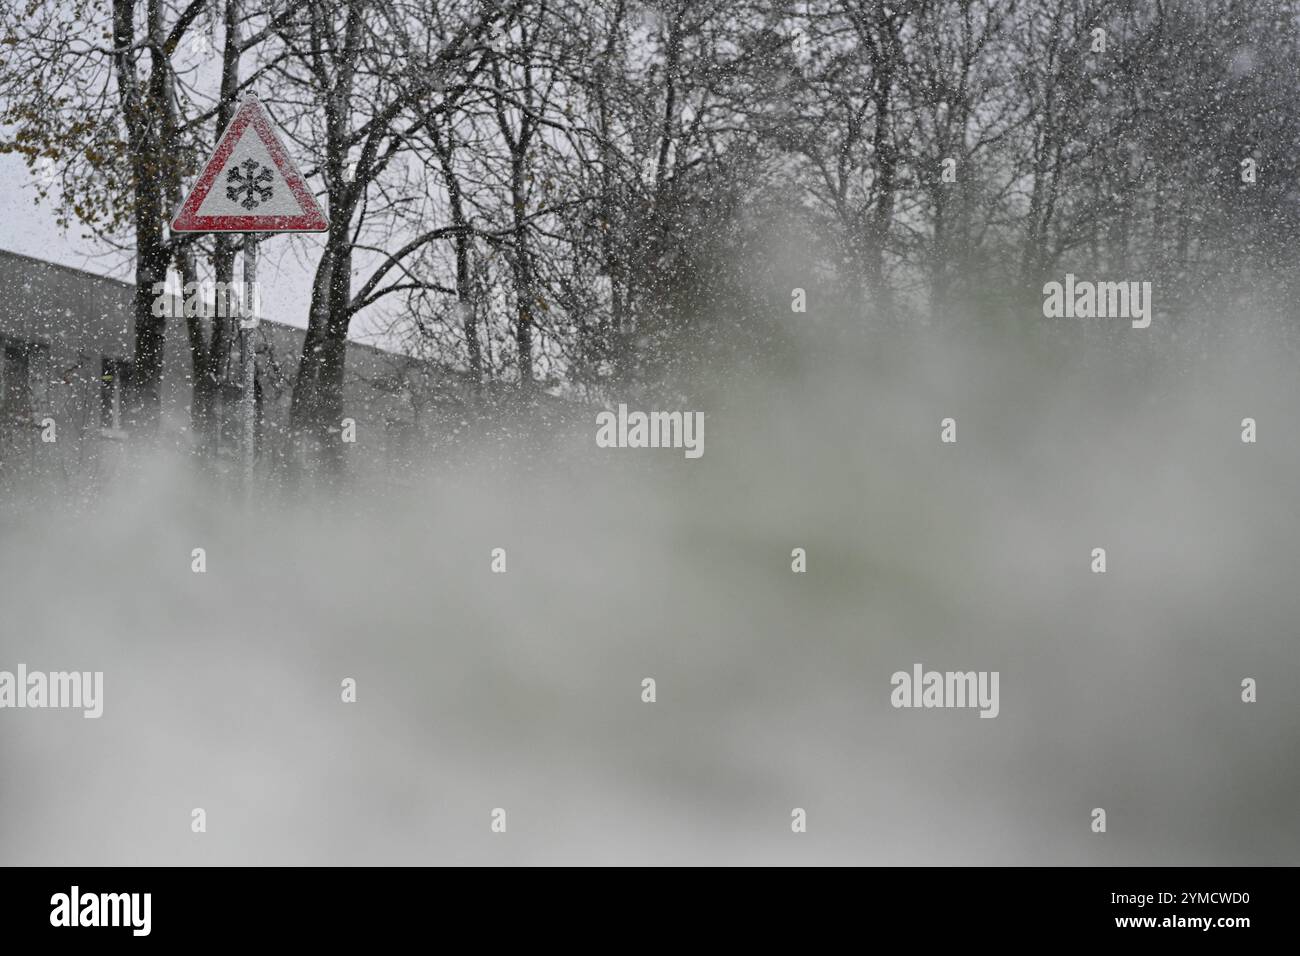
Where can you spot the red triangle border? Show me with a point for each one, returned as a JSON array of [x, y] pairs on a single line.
[[311, 220]]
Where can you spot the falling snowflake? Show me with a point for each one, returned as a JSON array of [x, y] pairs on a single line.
[[248, 183]]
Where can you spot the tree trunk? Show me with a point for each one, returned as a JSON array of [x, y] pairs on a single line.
[[147, 178]]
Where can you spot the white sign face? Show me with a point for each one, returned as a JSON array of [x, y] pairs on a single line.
[[250, 184]]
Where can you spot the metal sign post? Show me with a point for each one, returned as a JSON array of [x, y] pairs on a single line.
[[248, 357]]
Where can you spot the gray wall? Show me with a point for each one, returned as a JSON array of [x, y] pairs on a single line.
[[76, 319]]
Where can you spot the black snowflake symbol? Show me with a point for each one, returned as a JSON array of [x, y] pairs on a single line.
[[249, 184]]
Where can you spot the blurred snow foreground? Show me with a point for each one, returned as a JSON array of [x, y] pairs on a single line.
[[479, 690]]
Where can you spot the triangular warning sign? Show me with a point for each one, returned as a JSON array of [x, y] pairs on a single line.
[[250, 184]]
